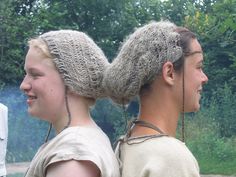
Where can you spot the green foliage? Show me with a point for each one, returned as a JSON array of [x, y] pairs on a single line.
[[215, 155], [225, 112], [17, 25], [216, 28]]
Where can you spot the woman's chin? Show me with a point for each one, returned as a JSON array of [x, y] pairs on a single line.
[[31, 112], [194, 108]]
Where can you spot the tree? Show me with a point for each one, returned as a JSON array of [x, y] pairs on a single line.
[[17, 25], [216, 28]]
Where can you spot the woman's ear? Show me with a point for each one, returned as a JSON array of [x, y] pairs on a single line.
[[168, 73]]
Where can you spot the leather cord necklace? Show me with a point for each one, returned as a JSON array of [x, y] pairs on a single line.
[[148, 125], [143, 124], [129, 140]]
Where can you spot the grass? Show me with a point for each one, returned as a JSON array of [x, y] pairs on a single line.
[[215, 154], [214, 166]]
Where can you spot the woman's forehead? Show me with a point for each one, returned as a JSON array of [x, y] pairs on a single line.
[[195, 47], [35, 57]]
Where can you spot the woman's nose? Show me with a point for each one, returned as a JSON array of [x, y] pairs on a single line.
[[25, 84], [205, 78]]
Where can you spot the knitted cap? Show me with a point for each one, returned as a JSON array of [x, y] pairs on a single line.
[[79, 60], [140, 59]]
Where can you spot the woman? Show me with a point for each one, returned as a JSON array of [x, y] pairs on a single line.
[[162, 64], [64, 71], [3, 138]]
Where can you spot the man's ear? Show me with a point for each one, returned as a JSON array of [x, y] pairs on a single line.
[[168, 73]]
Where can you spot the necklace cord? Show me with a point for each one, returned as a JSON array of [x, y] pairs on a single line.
[[48, 133], [68, 110], [148, 125], [125, 115], [183, 115], [143, 123]]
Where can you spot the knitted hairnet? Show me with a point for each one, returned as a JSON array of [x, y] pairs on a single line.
[[140, 59], [79, 60]]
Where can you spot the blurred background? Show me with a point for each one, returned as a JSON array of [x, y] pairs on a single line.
[[210, 133]]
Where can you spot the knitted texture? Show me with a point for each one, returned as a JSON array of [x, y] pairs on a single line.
[[79, 60], [140, 59]]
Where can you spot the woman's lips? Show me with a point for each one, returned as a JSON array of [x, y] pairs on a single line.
[[31, 99]]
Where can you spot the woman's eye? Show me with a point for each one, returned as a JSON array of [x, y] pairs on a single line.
[[35, 75], [200, 67]]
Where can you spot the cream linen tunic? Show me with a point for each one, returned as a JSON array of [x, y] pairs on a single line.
[[3, 138], [156, 156], [77, 143]]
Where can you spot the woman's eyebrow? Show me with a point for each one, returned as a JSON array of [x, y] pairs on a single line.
[[192, 53], [31, 70]]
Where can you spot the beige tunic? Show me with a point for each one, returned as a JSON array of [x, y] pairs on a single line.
[[159, 156], [3, 137], [77, 143]]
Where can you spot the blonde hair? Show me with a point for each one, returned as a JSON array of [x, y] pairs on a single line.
[[40, 44]]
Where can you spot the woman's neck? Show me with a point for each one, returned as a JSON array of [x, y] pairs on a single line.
[[78, 113], [161, 111]]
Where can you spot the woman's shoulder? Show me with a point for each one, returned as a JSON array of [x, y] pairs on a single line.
[[149, 145], [81, 143], [80, 139], [158, 152], [90, 135]]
